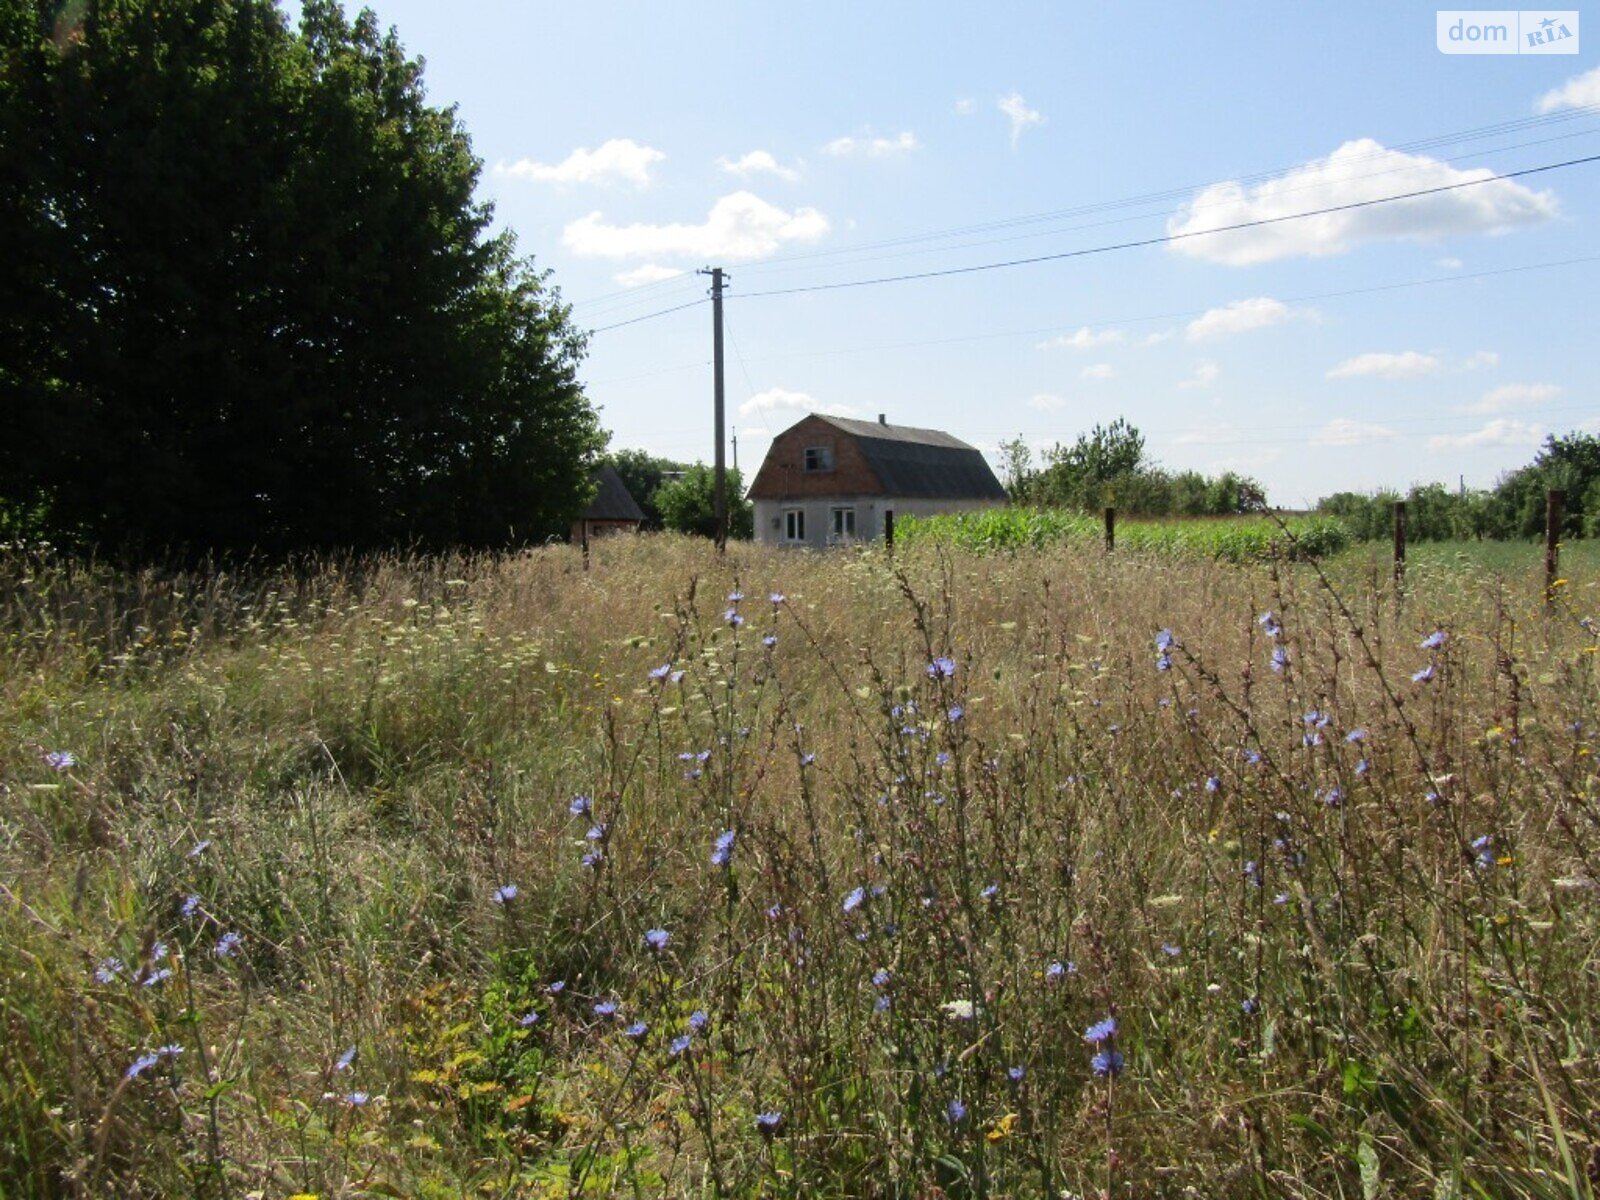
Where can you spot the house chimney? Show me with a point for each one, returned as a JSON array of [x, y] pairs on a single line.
[[882, 420]]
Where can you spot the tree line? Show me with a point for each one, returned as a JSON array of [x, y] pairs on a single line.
[[1108, 468], [1513, 508], [250, 301]]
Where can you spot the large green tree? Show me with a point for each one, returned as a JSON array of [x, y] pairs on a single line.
[[688, 504], [250, 300]]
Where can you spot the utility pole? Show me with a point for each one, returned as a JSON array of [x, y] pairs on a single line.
[[735, 440], [721, 495]]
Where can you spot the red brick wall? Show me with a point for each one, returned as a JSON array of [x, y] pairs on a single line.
[[783, 474]]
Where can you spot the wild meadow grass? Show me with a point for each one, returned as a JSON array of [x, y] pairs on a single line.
[[1043, 874]]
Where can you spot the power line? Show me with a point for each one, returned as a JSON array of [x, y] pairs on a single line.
[[1109, 322], [782, 265], [651, 316], [1138, 243], [1177, 193], [646, 293], [1168, 239], [1180, 314]]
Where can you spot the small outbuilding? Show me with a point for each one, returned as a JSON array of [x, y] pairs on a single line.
[[613, 509], [829, 481]]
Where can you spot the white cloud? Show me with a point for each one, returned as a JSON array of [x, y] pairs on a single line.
[[758, 162], [1408, 364], [1242, 316], [739, 228], [1083, 338], [1481, 358], [1502, 431], [1341, 431], [621, 160], [872, 147], [649, 273], [1205, 374], [966, 106], [1581, 91], [1448, 263], [1356, 172], [1045, 402], [1514, 395], [1155, 339], [1098, 371], [1021, 116], [780, 400]]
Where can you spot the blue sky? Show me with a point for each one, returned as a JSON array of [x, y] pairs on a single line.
[[799, 145]]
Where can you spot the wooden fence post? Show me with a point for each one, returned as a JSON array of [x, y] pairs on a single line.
[[1399, 544], [888, 530], [1111, 529], [1554, 501]]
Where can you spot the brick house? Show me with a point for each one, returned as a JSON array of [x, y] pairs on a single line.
[[828, 481], [613, 509]]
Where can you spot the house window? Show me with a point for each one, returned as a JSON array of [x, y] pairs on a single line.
[[819, 458], [844, 524], [794, 524]]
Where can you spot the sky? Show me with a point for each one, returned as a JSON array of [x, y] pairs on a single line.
[[1439, 337]]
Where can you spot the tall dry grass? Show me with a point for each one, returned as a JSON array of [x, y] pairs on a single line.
[[356, 864]]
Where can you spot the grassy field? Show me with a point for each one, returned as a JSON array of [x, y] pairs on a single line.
[[1043, 874], [1226, 539]]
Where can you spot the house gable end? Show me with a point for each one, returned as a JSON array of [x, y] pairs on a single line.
[[784, 473]]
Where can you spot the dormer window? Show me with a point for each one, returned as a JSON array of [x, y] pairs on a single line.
[[819, 458]]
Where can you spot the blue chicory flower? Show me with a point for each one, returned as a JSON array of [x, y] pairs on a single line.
[[1101, 1031], [1107, 1063], [140, 1065]]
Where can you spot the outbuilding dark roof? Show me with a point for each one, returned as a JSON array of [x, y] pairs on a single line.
[[922, 463], [613, 501]]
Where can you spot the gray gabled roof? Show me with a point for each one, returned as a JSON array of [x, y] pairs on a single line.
[[612, 502], [922, 463]]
